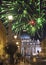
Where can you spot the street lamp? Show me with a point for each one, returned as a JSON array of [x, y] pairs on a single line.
[[10, 18], [17, 43], [18, 46], [15, 36]]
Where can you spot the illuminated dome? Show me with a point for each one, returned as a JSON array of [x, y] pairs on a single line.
[[25, 36]]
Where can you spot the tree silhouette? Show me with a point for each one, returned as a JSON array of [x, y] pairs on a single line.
[[10, 49]]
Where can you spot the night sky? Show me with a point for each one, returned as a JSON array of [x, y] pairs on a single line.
[[29, 11]]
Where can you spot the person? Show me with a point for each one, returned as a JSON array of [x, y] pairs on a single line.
[[38, 53]]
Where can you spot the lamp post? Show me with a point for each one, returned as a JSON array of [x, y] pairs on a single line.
[[10, 18], [18, 42], [18, 45]]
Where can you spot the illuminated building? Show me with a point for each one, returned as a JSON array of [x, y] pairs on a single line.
[[29, 46]]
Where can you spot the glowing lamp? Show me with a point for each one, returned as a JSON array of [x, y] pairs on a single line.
[[17, 43], [10, 17], [15, 36]]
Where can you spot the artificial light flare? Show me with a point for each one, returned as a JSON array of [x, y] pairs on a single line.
[[10, 17]]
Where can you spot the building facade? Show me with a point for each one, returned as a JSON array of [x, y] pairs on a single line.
[[29, 46]]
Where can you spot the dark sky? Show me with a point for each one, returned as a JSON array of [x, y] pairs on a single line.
[[44, 26]]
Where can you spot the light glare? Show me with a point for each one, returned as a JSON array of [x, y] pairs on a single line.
[[10, 17]]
